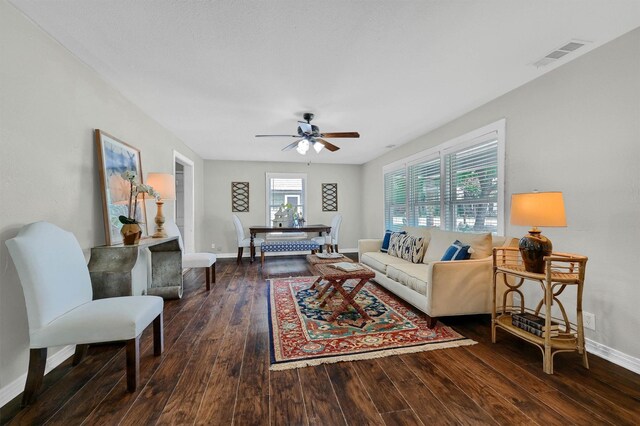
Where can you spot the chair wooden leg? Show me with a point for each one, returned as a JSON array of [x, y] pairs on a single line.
[[37, 363], [261, 258], [213, 273], [207, 278], [133, 361], [81, 352], [240, 250], [158, 335]]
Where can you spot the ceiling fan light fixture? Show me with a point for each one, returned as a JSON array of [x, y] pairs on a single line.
[[318, 146], [303, 147]]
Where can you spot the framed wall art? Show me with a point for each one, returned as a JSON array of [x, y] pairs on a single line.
[[240, 197], [116, 157], [329, 197]]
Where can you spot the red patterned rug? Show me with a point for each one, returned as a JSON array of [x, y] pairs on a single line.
[[301, 336]]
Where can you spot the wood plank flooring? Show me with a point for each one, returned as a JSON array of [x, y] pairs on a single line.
[[215, 370]]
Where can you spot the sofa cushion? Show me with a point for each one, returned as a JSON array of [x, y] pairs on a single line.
[[441, 240], [408, 247], [457, 251], [395, 244], [412, 275], [387, 240], [379, 261]]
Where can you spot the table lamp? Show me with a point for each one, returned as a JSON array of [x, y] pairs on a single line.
[[537, 209], [165, 185]]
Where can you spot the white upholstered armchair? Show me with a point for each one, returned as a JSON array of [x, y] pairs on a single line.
[[244, 241], [331, 240], [58, 294], [194, 260]]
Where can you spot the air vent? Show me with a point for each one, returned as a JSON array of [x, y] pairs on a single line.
[[560, 52]]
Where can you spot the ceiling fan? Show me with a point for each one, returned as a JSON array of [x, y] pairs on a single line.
[[309, 135]]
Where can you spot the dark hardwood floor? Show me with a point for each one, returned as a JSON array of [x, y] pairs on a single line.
[[215, 370]]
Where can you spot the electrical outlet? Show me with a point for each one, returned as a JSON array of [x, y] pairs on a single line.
[[213, 246], [589, 320]]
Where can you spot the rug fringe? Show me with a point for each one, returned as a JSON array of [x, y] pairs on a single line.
[[370, 355]]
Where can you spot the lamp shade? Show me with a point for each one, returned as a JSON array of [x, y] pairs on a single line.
[[538, 209], [164, 184]]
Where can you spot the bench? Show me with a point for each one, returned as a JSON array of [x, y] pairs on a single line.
[[291, 245]]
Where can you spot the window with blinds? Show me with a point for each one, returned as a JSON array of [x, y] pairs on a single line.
[[471, 188], [424, 193], [457, 186], [285, 188], [395, 199]]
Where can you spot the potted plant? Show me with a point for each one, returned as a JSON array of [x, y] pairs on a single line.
[[131, 231]]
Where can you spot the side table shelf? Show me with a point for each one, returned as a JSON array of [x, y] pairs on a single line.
[[561, 270], [112, 268]]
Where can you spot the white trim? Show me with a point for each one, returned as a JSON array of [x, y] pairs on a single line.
[[613, 355], [189, 200], [16, 387]]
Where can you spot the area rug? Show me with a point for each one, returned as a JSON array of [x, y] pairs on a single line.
[[300, 335]]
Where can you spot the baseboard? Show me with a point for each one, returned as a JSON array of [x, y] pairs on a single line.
[[16, 387], [613, 355], [284, 253]]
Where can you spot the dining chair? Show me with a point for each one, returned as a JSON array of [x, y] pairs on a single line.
[[243, 241], [194, 260], [58, 294], [331, 241]]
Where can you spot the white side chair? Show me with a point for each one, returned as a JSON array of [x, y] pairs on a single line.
[[244, 242], [331, 240], [194, 260], [58, 294]]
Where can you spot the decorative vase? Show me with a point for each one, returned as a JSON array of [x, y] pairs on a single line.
[[131, 234]]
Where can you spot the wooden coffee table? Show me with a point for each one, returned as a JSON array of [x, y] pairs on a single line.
[[313, 260], [336, 278]]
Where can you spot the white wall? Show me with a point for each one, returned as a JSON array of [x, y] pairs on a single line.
[[577, 130], [218, 176], [49, 105]]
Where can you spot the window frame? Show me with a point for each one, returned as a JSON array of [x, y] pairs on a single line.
[[495, 130], [268, 177]]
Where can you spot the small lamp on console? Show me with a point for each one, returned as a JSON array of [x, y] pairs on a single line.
[[537, 209], [165, 185]]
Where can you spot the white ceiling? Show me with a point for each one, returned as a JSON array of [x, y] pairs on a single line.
[[216, 73]]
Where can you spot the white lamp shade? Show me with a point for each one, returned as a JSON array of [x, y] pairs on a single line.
[[164, 184], [538, 209]]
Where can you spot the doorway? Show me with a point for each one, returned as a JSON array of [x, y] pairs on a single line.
[[185, 205]]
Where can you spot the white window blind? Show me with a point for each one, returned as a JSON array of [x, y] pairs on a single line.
[[455, 186], [395, 199], [471, 188], [424, 193]]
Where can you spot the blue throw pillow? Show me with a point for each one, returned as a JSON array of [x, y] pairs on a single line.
[[457, 251], [386, 239]]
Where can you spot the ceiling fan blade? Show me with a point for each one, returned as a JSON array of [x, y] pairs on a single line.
[[341, 135], [291, 145], [277, 136], [331, 147]]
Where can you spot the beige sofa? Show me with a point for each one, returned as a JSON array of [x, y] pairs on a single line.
[[439, 288]]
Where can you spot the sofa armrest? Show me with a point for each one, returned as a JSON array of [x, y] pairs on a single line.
[[365, 246], [460, 286]]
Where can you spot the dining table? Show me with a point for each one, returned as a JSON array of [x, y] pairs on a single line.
[[258, 229]]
